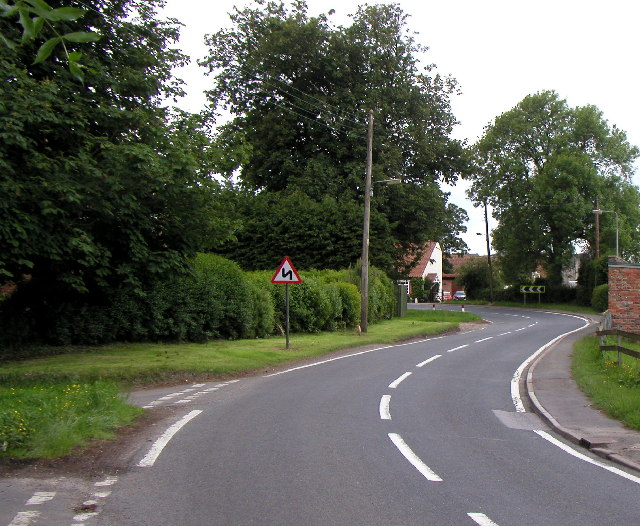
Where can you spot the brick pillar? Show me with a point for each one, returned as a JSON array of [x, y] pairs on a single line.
[[624, 295]]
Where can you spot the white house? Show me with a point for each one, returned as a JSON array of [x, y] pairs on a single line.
[[429, 266]]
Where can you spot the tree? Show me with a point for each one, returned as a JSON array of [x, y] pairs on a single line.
[[300, 90], [100, 186], [473, 276], [37, 17], [544, 166]]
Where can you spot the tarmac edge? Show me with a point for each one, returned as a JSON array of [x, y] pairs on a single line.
[[569, 434]]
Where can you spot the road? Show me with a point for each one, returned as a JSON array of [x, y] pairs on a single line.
[[424, 433]]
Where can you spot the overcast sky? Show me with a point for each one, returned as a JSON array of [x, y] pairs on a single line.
[[498, 50]]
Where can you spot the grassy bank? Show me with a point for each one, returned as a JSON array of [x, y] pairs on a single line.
[[613, 388], [50, 405]]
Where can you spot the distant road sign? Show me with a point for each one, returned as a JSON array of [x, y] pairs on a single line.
[[286, 273], [532, 289]]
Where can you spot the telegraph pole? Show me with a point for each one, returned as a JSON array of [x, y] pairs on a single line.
[[364, 274]]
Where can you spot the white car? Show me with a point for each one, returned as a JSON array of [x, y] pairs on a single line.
[[460, 295]]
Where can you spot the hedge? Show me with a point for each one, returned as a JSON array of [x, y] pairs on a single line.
[[216, 300]]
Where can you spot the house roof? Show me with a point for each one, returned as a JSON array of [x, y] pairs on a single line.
[[456, 261], [427, 252]]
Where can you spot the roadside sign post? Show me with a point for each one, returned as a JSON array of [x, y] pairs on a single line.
[[531, 289], [286, 273]]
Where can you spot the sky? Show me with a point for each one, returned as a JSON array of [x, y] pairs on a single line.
[[499, 51]]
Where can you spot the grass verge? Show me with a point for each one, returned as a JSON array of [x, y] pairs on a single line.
[[47, 419], [52, 404], [613, 388]]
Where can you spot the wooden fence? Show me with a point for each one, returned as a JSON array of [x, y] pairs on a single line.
[[621, 335]]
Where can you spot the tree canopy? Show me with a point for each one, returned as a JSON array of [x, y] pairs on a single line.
[[101, 187], [544, 167], [300, 90]]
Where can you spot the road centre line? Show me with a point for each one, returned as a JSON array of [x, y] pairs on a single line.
[[157, 447], [482, 519], [458, 348], [24, 518], [39, 497], [413, 459], [399, 380], [484, 339], [504, 333], [385, 413], [433, 358]]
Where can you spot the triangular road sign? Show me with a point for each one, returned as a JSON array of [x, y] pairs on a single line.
[[286, 273]]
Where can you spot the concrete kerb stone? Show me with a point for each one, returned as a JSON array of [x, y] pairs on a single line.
[[572, 435]]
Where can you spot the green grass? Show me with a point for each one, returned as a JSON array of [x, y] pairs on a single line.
[[53, 404], [145, 363], [613, 388], [48, 419]]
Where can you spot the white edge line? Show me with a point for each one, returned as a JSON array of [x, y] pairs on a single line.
[[385, 412], [157, 447], [399, 380], [433, 358], [322, 362], [413, 459], [581, 456], [482, 519], [517, 400], [515, 379]]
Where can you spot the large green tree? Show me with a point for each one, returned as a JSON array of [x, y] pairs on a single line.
[[544, 167], [300, 90], [100, 187]]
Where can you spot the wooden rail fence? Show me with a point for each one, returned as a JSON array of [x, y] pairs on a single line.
[[621, 335]]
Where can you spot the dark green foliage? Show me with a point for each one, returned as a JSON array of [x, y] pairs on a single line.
[[418, 289], [103, 195], [473, 276], [300, 90], [600, 298], [593, 272], [349, 314], [544, 167], [315, 234]]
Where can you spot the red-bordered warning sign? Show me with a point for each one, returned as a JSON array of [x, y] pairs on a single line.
[[286, 273]]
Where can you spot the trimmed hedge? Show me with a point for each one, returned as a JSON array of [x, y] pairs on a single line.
[[216, 300], [600, 298]]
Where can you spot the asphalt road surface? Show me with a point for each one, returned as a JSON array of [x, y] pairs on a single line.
[[425, 433]]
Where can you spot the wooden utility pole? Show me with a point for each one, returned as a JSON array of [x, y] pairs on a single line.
[[364, 274], [486, 225], [597, 229]]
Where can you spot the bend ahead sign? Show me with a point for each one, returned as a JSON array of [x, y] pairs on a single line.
[[286, 273], [532, 289]]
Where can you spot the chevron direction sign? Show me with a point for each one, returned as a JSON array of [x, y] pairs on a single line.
[[531, 289]]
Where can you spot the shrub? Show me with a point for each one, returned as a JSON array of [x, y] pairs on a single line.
[[349, 316], [600, 298], [262, 311]]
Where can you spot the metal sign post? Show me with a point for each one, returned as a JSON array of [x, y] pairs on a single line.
[[286, 273], [532, 289]]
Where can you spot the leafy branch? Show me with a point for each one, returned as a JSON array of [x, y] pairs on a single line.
[[36, 15]]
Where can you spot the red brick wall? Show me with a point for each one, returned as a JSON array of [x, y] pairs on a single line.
[[624, 295]]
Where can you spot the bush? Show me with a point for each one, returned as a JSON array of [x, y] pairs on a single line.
[[600, 298], [349, 315]]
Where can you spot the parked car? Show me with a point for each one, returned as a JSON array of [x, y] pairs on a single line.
[[460, 295], [446, 295]]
